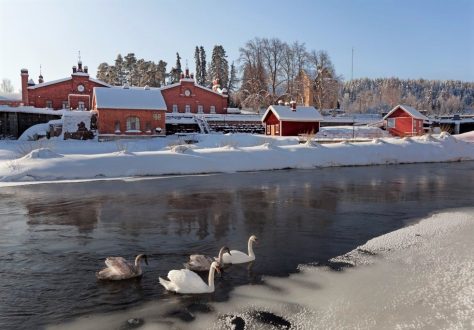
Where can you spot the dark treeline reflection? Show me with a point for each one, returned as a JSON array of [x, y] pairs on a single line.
[[54, 237]]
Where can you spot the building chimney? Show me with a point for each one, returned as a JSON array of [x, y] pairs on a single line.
[[192, 75], [182, 75], [187, 73], [24, 86], [79, 66], [293, 105], [74, 69], [86, 69]]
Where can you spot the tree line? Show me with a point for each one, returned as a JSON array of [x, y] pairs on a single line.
[[270, 70]]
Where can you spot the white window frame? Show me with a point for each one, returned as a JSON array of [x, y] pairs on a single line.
[[213, 109], [187, 108], [49, 104], [175, 108], [391, 122], [133, 124], [81, 105], [200, 109], [65, 105]]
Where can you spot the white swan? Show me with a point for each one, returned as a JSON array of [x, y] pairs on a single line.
[[202, 263], [187, 281], [119, 269], [238, 257]]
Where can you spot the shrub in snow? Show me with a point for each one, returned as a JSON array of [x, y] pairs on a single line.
[[407, 139]]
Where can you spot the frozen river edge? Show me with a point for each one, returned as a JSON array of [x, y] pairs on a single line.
[[416, 277]]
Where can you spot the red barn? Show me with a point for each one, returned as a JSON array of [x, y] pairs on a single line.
[[404, 120], [72, 92], [129, 111], [291, 120], [188, 97]]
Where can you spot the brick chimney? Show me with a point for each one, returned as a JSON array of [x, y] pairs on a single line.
[[293, 105], [24, 86]]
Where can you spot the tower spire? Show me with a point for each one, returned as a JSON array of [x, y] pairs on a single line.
[[79, 57], [40, 78]]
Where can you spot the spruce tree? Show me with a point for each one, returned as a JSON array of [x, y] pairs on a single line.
[[203, 73], [219, 68], [197, 59]]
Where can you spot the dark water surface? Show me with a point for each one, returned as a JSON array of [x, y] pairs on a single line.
[[54, 237]]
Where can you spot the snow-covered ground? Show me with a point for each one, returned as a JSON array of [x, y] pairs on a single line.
[[418, 277], [56, 159]]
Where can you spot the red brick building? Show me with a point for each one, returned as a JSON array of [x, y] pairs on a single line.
[[405, 121], [72, 92], [129, 111], [188, 97], [282, 120]]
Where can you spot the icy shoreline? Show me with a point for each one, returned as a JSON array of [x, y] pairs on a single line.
[[227, 154], [415, 277]]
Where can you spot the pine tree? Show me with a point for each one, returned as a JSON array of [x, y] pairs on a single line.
[[129, 68], [232, 79], [203, 73], [118, 71], [175, 73], [197, 59], [219, 68]]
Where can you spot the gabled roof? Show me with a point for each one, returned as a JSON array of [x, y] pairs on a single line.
[[411, 111], [129, 98], [302, 113], [52, 82], [195, 85]]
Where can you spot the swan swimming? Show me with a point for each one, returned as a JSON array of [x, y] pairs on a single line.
[[238, 257], [120, 269], [202, 263], [187, 281]]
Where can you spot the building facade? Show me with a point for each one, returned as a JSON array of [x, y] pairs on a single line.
[[188, 97], [74, 92]]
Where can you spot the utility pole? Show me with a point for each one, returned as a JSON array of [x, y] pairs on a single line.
[[352, 66]]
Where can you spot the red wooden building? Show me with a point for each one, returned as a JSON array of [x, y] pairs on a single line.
[[404, 120], [291, 120], [188, 97], [129, 111], [74, 92]]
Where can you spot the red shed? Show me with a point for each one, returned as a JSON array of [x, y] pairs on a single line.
[[404, 120], [129, 111], [291, 120]]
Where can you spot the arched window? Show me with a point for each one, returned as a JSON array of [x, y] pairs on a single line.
[[133, 124]]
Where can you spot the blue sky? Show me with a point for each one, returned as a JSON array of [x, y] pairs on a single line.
[[429, 39]]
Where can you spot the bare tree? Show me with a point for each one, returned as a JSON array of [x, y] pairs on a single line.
[[6, 86], [272, 54]]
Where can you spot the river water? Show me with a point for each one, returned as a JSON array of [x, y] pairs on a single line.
[[54, 237]]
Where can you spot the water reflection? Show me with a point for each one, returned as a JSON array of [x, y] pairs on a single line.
[[299, 217]]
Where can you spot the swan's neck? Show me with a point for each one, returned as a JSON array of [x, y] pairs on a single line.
[[219, 257], [251, 254], [138, 266], [211, 279]]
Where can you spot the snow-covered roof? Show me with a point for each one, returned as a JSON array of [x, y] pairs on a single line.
[[29, 109], [10, 96], [411, 111], [52, 82], [302, 113], [129, 98], [195, 85]]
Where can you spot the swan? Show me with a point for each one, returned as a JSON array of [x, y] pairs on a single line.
[[187, 281], [238, 257], [120, 269], [202, 263]]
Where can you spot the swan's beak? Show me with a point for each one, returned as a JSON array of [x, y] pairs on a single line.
[[146, 259]]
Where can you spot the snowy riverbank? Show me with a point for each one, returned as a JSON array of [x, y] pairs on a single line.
[[87, 160], [413, 278]]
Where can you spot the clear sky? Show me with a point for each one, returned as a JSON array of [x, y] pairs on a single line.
[[431, 39]]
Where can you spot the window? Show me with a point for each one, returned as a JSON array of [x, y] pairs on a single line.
[[188, 108], [133, 124], [81, 105], [65, 104], [117, 127], [200, 109], [49, 104], [213, 109], [148, 127], [391, 122], [175, 108]]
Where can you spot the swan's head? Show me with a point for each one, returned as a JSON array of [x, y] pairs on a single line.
[[215, 266], [253, 238], [225, 249], [142, 256]]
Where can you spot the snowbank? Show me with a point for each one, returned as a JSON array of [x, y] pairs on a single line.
[[418, 277], [227, 153]]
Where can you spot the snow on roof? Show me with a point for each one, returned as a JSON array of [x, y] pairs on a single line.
[[29, 109], [195, 85], [411, 111], [10, 96], [79, 73], [52, 82], [97, 81], [302, 113], [129, 98]]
